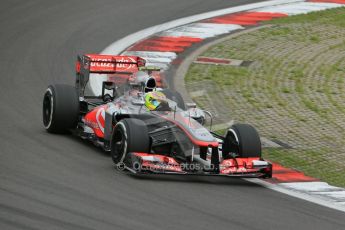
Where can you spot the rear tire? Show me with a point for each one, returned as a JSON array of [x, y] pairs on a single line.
[[243, 140], [176, 97], [129, 135], [60, 108]]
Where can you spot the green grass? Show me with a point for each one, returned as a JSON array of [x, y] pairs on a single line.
[[287, 94], [315, 39], [310, 162], [222, 75], [333, 17], [278, 31]]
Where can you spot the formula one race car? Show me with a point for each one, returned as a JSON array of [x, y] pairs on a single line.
[[149, 130]]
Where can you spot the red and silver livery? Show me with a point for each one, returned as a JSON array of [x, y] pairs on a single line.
[[174, 138]]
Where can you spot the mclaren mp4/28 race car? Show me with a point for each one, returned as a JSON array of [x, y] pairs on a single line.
[[149, 130]]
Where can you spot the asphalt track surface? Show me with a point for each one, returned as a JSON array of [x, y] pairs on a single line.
[[61, 182]]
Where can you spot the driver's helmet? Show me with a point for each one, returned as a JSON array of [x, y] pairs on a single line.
[[154, 99], [143, 80]]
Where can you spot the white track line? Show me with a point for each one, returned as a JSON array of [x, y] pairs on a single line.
[[157, 64], [201, 30], [120, 45], [157, 60], [308, 196], [151, 54]]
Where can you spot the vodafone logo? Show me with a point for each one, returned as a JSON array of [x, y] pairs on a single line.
[[123, 63], [102, 63]]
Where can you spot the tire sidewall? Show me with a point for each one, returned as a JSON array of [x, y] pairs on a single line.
[[120, 127], [135, 138], [64, 105], [248, 140], [50, 91]]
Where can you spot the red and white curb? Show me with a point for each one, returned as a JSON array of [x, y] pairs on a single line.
[[160, 45]]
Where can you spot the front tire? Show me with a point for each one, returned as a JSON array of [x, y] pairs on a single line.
[[129, 135], [242, 140], [60, 108]]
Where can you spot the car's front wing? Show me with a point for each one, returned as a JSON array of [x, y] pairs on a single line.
[[147, 163]]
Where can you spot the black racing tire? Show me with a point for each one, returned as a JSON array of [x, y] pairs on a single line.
[[176, 97], [129, 135], [243, 140], [60, 108]]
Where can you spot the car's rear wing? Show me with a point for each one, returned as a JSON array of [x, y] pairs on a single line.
[[104, 64], [108, 64]]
